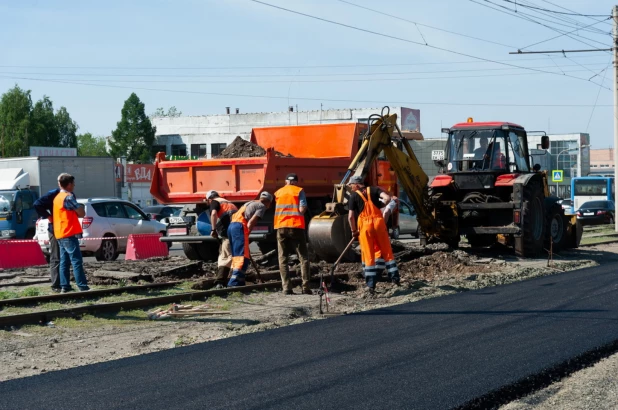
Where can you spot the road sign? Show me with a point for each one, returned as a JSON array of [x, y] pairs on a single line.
[[557, 175]]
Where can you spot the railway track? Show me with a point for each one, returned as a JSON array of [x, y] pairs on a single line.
[[42, 317]]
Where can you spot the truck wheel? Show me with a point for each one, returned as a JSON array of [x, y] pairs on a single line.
[[209, 252], [530, 243], [480, 241], [108, 251], [191, 252], [556, 230]]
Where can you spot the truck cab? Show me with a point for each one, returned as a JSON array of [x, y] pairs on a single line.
[[17, 214]]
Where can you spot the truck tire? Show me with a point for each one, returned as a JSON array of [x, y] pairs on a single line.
[[556, 235], [108, 251], [531, 241], [191, 251]]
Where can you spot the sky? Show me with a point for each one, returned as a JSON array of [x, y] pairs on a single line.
[[448, 58]]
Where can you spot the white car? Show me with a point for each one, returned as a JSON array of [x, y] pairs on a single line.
[[106, 218]]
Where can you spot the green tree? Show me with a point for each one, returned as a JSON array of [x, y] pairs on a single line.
[[43, 131], [91, 146], [67, 129], [15, 111], [171, 112], [134, 133]]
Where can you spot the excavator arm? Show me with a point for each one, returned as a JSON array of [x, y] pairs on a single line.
[[328, 232]]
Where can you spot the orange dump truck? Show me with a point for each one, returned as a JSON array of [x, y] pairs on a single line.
[[318, 154]]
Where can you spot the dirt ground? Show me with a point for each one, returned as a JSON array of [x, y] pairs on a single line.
[[425, 272]]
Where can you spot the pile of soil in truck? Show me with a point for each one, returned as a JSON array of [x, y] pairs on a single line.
[[241, 148]]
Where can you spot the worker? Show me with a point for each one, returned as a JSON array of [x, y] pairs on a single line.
[[243, 222], [367, 224], [221, 211], [68, 231], [291, 204]]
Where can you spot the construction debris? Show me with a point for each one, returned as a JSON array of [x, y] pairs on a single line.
[[177, 310], [241, 148]]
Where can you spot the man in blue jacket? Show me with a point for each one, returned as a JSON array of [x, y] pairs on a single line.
[[44, 207]]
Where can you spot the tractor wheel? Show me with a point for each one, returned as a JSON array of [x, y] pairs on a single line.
[[556, 230], [481, 241], [530, 244]]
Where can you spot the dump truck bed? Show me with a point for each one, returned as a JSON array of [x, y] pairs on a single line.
[[319, 155]]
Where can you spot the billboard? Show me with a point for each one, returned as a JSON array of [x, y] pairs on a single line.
[[139, 172], [53, 152], [410, 119]]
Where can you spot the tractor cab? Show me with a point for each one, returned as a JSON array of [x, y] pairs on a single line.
[[486, 147]]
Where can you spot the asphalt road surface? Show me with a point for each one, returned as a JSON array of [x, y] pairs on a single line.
[[433, 354]]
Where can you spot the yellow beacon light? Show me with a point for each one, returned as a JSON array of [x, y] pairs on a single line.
[[470, 119]]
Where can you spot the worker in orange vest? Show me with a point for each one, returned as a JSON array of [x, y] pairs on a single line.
[[221, 211], [367, 224], [243, 222], [68, 231], [291, 204]]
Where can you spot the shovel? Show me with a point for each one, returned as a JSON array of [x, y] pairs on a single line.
[[332, 270], [257, 271]]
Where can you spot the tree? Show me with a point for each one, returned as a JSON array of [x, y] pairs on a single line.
[[171, 112], [67, 129], [43, 131], [134, 133], [15, 110], [90, 146]]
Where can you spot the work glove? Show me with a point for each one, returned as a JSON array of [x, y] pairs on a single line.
[[355, 234]]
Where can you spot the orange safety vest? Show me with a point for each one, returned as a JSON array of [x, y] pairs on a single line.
[[287, 212], [240, 215], [225, 206], [66, 223]]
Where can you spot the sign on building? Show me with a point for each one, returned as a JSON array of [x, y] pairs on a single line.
[[139, 172], [410, 119], [557, 175], [53, 152], [437, 155]]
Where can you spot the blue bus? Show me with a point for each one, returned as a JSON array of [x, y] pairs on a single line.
[[585, 189]]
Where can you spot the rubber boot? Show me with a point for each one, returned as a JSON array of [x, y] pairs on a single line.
[[222, 274]]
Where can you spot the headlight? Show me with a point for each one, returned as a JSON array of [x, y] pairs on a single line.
[[8, 233]]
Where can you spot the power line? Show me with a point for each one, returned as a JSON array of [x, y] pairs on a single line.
[[464, 104], [564, 19], [283, 75], [554, 11], [531, 19], [564, 8], [423, 25], [560, 35], [407, 40], [597, 99]]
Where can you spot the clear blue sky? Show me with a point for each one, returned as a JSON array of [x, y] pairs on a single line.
[[202, 55]]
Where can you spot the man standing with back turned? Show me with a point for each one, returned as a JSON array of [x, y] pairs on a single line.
[[67, 230], [290, 225], [367, 224]]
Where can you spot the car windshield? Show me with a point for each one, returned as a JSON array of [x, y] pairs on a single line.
[[595, 204], [6, 202], [176, 211]]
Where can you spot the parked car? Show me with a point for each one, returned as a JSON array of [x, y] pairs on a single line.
[[106, 218], [159, 212], [596, 212], [408, 225], [566, 204]]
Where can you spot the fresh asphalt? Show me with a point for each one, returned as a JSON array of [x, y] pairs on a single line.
[[433, 354]]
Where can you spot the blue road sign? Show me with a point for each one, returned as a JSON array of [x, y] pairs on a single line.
[[557, 175]]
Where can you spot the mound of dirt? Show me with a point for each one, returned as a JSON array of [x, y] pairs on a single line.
[[444, 265], [241, 148]]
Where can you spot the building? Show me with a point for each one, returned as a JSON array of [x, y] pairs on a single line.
[[569, 153], [602, 162], [207, 135]]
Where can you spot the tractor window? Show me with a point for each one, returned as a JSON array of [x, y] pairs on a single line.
[[471, 150], [517, 154]]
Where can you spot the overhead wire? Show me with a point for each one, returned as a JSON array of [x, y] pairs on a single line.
[[564, 8], [410, 41], [554, 11], [597, 98], [531, 19], [196, 92], [555, 37], [424, 25]]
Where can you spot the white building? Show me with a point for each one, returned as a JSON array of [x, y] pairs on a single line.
[[207, 135], [569, 153]]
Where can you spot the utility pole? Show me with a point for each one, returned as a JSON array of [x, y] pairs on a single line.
[[615, 47]]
